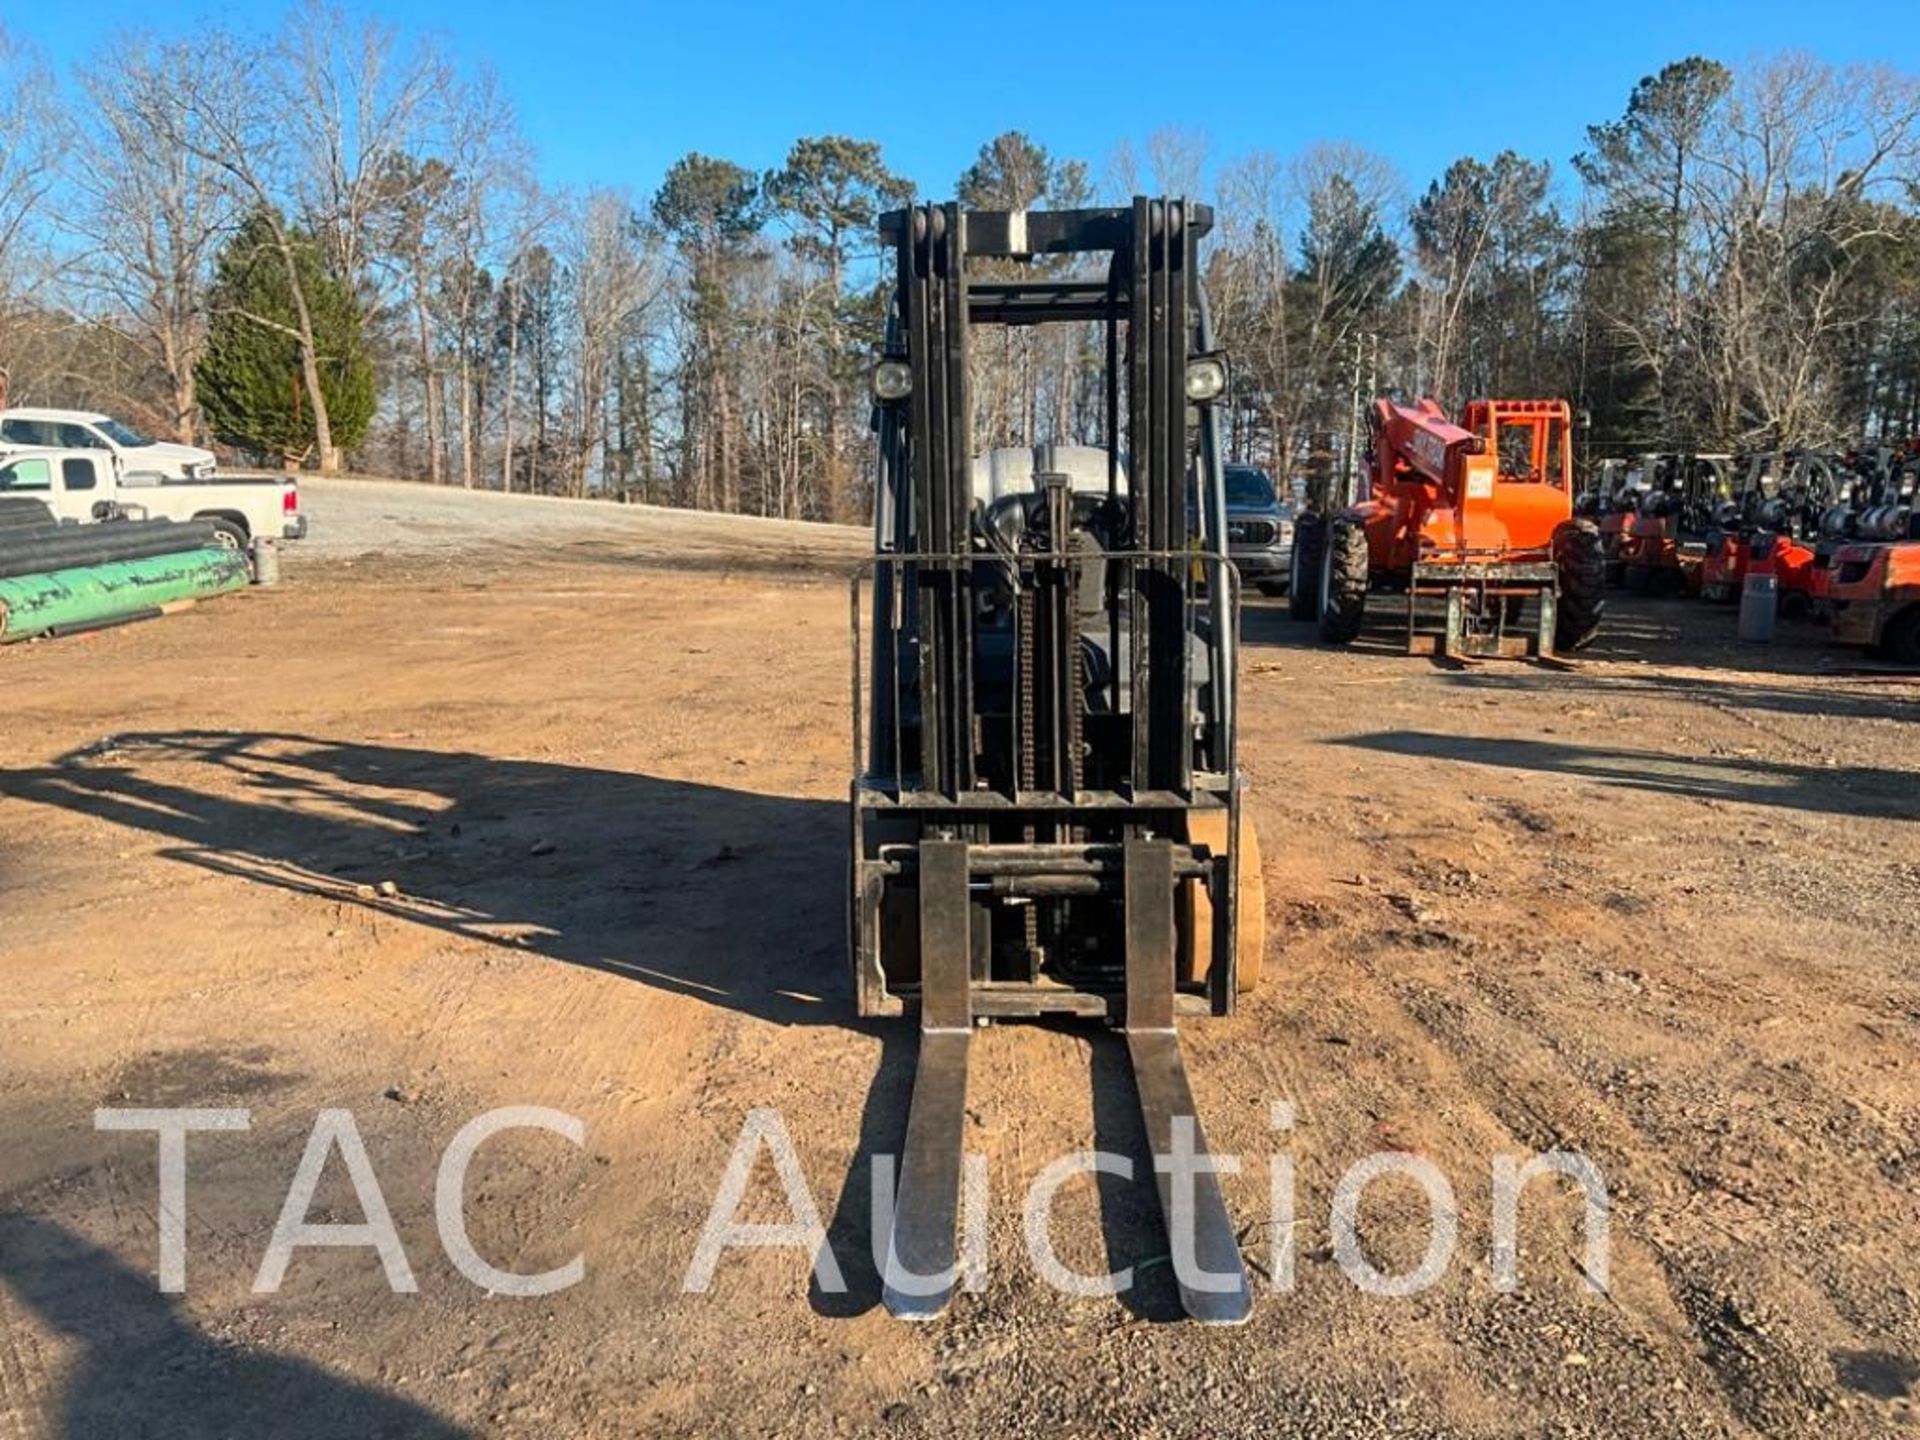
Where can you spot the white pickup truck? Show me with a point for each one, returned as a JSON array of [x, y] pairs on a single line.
[[32, 428], [82, 486]]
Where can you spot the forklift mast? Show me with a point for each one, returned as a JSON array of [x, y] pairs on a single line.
[[1046, 802]]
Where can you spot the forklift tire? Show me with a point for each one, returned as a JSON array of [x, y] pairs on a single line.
[[1900, 642], [1303, 570], [1343, 582], [1582, 565], [1194, 911]]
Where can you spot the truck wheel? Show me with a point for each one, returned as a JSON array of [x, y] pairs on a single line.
[[227, 535], [1900, 642], [1582, 564], [1343, 582], [1303, 569]]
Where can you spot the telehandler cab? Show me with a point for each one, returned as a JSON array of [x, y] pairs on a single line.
[[1047, 816]]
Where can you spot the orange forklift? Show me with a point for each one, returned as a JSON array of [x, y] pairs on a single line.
[[1873, 595], [1478, 516], [1664, 541], [1871, 560], [1769, 528]]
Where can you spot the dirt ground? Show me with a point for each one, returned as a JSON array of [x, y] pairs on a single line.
[[488, 806]]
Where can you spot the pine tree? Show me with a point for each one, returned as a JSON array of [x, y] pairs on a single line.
[[250, 377], [831, 194], [712, 210]]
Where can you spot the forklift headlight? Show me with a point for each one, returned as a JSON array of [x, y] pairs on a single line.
[[892, 380], [1206, 378]]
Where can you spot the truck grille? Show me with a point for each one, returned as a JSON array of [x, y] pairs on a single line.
[[1249, 532]]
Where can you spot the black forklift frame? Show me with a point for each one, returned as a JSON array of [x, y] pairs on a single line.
[[965, 809]]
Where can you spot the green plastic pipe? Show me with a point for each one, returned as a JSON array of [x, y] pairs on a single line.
[[33, 604]]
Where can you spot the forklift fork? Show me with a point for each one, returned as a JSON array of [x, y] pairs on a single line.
[[920, 1270], [1213, 1287], [921, 1264]]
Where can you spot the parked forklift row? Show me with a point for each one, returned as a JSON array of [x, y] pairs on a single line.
[[1838, 532]]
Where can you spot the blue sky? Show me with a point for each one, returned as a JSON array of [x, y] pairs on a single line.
[[611, 94]]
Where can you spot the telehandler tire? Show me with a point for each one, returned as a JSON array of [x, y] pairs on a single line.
[[1194, 912], [1343, 582], [1581, 560], [1303, 569]]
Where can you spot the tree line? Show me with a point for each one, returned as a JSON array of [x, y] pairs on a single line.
[[330, 246]]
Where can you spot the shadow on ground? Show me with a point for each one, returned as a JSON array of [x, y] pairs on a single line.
[[729, 897], [143, 1370], [732, 898], [1847, 704], [724, 895], [1839, 790]]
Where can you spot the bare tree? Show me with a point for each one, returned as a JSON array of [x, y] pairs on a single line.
[[616, 274], [411, 239], [30, 137], [229, 113], [151, 211], [1179, 159], [1120, 174], [1247, 278], [495, 205], [1787, 192], [356, 101]]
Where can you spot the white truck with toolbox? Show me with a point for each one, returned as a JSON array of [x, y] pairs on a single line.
[[83, 486]]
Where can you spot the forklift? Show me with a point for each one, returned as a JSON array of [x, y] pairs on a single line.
[[1047, 813]]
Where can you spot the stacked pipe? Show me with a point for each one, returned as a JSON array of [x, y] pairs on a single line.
[[22, 512], [58, 579]]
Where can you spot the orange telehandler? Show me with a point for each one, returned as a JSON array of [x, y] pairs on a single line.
[[1478, 515]]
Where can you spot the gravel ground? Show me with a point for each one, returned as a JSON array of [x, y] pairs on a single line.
[[356, 519]]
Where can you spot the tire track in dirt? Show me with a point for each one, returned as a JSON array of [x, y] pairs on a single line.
[[1773, 1386], [1770, 1364]]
